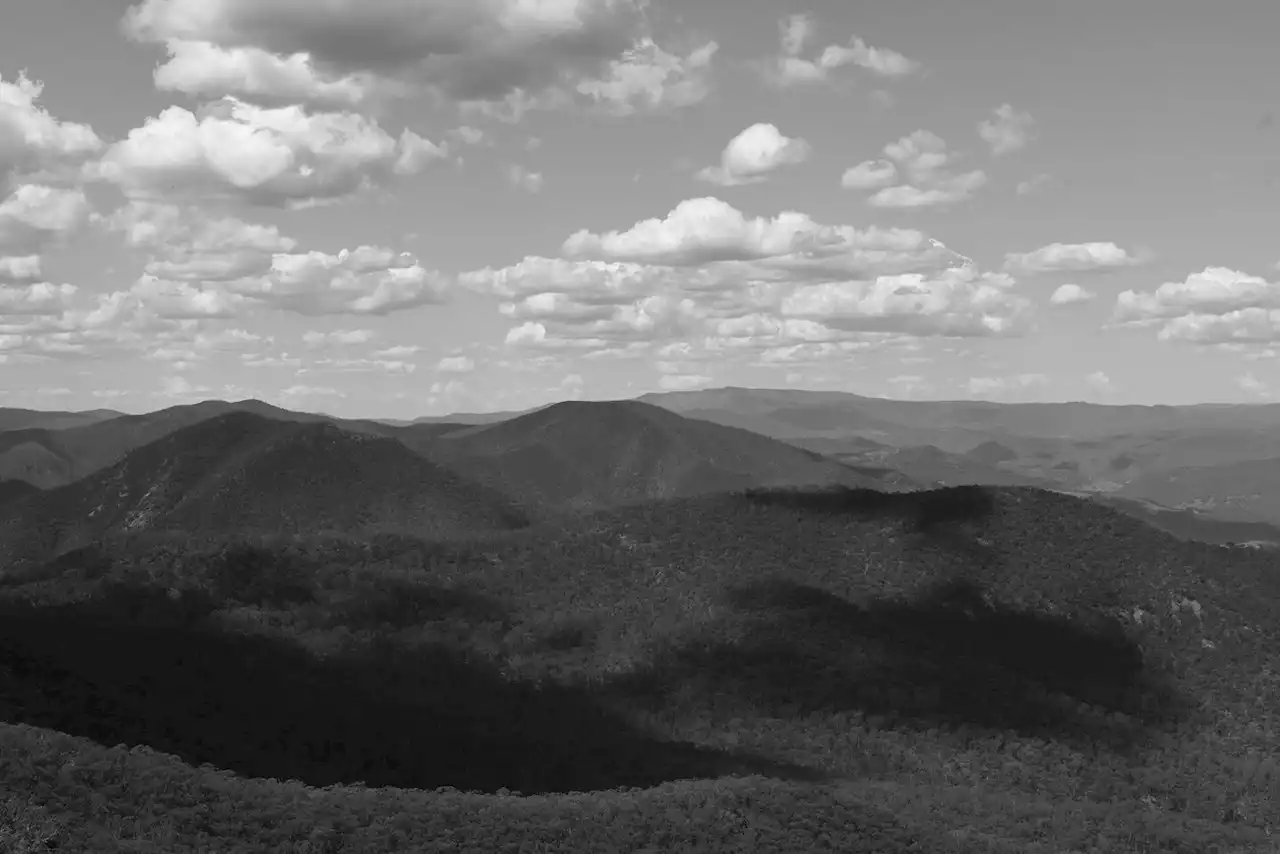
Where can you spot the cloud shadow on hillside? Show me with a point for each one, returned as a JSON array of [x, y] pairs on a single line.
[[426, 717], [946, 658]]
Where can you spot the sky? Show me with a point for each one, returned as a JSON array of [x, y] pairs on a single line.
[[395, 208]]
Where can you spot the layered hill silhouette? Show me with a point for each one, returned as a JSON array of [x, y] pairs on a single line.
[[242, 473], [581, 455], [36, 419]]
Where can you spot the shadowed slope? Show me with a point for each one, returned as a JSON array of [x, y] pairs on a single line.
[[242, 473], [590, 454]]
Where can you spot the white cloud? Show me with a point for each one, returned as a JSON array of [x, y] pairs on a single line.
[[39, 299], [189, 244], [869, 175], [1002, 387], [1072, 257], [281, 156], [366, 280], [706, 269], [306, 391], [19, 268], [919, 160], [790, 68], [35, 216], [754, 154], [456, 365], [32, 140], [521, 177], [1099, 382], [683, 382], [496, 53], [398, 351], [339, 337], [1034, 184], [1009, 131], [1071, 294], [1215, 306], [1252, 385], [646, 77], [208, 70]]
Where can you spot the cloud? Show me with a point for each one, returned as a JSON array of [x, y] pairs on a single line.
[[38, 299], [281, 156], [1099, 382], [35, 216], [338, 337], [649, 78], [869, 175], [366, 280], [207, 70], [495, 52], [1001, 387], [522, 178], [1252, 385], [186, 243], [705, 269], [789, 68], [683, 382], [307, 391], [919, 160], [1072, 257], [398, 351], [32, 140], [456, 365], [1215, 306], [754, 154], [1034, 184], [19, 268], [1009, 131], [1071, 295]]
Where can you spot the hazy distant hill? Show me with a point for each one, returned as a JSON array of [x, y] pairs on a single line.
[[48, 458], [1142, 451], [32, 419], [581, 454], [241, 473]]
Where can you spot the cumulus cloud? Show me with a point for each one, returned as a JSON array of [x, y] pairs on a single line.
[[1009, 131], [1215, 306], [706, 269], [1099, 382], [367, 280], [42, 298], [647, 78], [19, 268], [35, 216], [790, 68], [497, 52], [754, 154], [1071, 294], [1072, 257], [316, 339], [282, 156], [683, 382], [519, 176], [1034, 184], [869, 175], [186, 243], [919, 161], [32, 140], [456, 365], [1003, 387]]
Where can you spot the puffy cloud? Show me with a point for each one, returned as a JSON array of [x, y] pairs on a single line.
[[398, 351], [1071, 294], [456, 365], [1252, 385], [340, 337], [647, 77], [1099, 382], [1072, 257], [1009, 131], [521, 177], [278, 156], [1215, 306], [38, 299], [919, 160], [493, 51], [869, 175], [683, 382], [957, 301], [19, 268], [207, 70], [789, 68], [35, 216], [189, 244], [367, 280], [998, 387], [1034, 184], [706, 269], [32, 140], [754, 154], [390, 366], [300, 391]]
